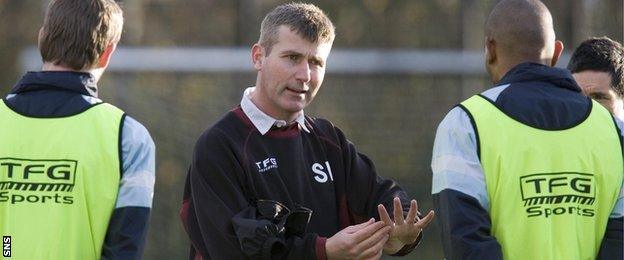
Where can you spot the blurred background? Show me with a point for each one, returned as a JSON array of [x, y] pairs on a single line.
[[396, 68]]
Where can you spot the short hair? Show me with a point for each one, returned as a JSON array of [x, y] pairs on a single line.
[[76, 32], [523, 28], [307, 20], [601, 54]]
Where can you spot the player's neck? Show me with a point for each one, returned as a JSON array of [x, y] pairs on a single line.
[[49, 66]]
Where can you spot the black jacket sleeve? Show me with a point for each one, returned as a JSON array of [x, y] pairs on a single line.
[[215, 194], [465, 227], [126, 232], [613, 244]]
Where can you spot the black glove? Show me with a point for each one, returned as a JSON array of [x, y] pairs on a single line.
[[262, 230]]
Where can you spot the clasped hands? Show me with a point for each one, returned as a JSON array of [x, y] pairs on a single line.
[[370, 239]]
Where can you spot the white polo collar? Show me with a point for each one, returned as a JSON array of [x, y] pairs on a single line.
[[262, 121]]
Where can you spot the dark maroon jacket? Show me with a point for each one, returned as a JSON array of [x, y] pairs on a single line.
[[234, 166]]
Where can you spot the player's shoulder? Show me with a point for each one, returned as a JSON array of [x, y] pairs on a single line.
[[229, 126], [328, 132], [322, 124], [318, 121], [457, 114], [136, 134]]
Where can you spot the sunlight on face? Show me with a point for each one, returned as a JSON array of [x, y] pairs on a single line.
[[597, 86], [291, 75]]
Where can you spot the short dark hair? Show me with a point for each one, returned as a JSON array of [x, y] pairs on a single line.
[[601, 54], [309, 21], [76, 32]]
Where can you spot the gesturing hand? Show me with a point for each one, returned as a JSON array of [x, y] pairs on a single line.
[[362, 241], [404, 230]]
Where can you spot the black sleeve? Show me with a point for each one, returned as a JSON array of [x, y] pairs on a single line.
[[215, 193], [612, 247], [365, 189], [126, 232], [465, 227]]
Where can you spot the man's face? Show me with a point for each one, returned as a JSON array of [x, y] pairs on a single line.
[[290, 76], [597, 85]]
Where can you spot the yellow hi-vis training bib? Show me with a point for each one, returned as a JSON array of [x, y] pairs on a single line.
[[59, 179], [550, 191]]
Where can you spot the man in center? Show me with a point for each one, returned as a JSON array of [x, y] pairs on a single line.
[[267, 182]]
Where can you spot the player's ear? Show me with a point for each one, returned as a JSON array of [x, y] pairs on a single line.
[[106, 55], [257, 56], [490, 51], [557, 53]]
